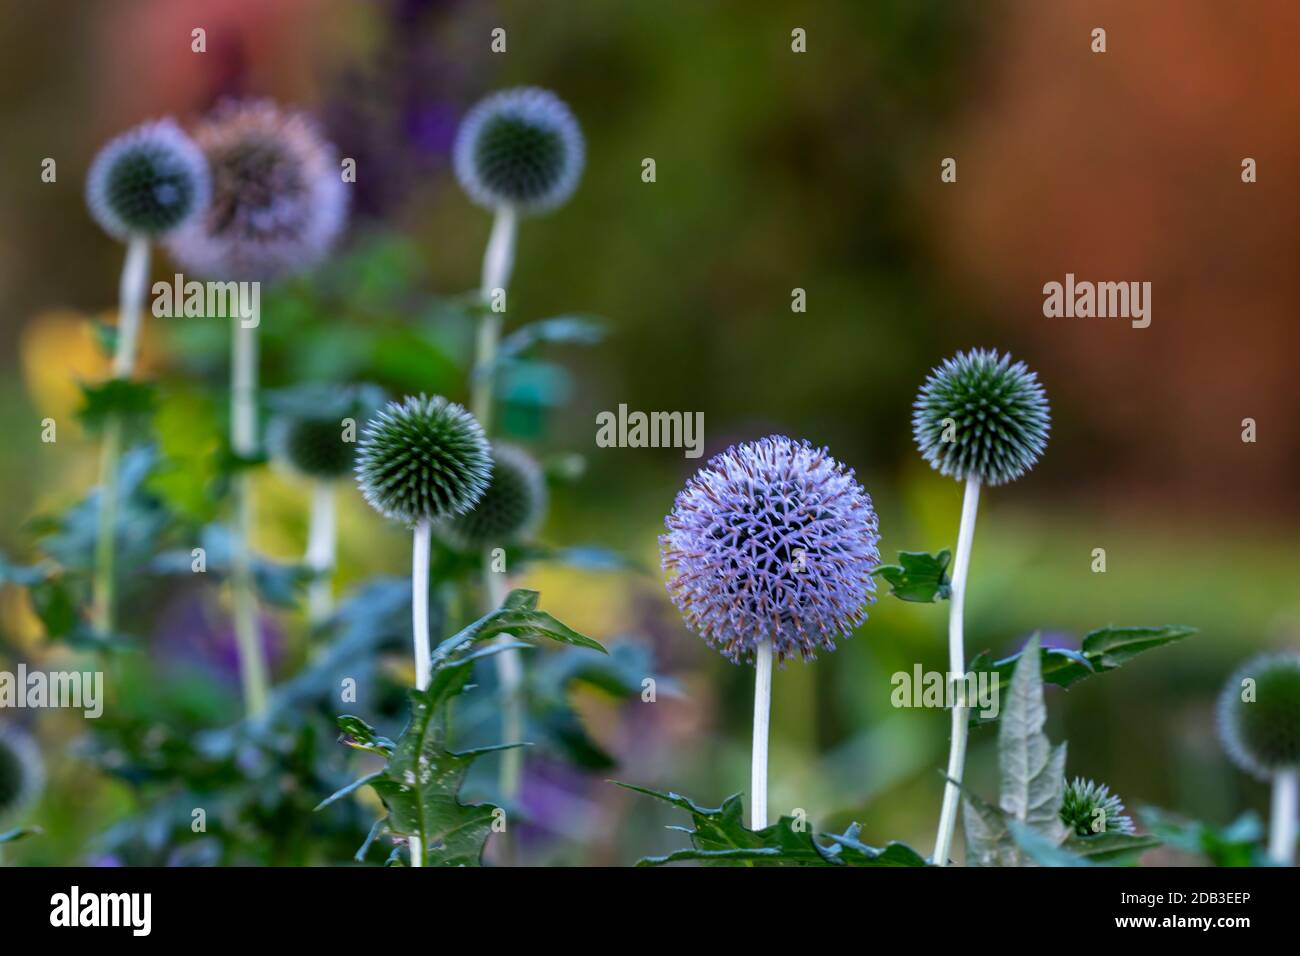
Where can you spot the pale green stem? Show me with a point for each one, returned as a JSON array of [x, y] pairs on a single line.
[[243, 441], [420, 633], [956, 673], [321, 548], [1282, 816], [762, 716], [498, 262], [131, 289]]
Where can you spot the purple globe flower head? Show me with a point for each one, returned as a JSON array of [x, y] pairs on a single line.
[[772, 539]]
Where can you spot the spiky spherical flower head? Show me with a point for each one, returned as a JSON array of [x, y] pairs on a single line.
[[22, 772], [1259, 714], [1090, 808], [315, 427], [520, 148], [771, 539], [981, 415], [147, 182], [423, 459], [278, 198], [510, 508]]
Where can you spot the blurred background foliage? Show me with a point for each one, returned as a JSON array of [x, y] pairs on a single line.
[[774, 171]]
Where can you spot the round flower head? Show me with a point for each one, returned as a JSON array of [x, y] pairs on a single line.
[[979, 415], [278, 198], [315, 426], [771, 539], [423, 458], [1262, 732], [520, 148], [22, 772], [510, 508], [148, 181], [1090, 808]]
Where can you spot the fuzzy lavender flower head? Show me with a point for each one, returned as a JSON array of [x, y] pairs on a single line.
[[772, 539], [278, 198], [147, 182], [520, 148]]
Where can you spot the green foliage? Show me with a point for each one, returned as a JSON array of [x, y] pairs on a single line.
[[1027, 826], [120, 398], [918, 576], [421, 780], [18, 833], [719, 837], [562, 329], [1237, 844], [1104, 649]]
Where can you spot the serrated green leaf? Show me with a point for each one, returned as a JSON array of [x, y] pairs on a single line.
[[1110, 647], [1104, 649], [1041, 849], [517, 616], [719, 837], [918, 576], [421, 781], [359, 735], [988, 839], [1032, 771], [1119, 849], [853, 852]]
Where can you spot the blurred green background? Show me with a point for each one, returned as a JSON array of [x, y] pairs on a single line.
[[775, 171]]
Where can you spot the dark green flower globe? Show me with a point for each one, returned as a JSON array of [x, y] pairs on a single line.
[[1262, 735], [22, 772], [520, 148], [979, 415], [148, 181], [1090, 808], [509, 510], [422, 459], [310, 433]]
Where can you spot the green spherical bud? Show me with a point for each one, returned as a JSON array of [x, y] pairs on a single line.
[[510, 508], [316, 427], [978, 415], [1259, 715], [148, 181], [423, 459], [1090, 808]]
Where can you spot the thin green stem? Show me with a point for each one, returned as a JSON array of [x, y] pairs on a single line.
[[243, 441], [131, 289], [320, 556]]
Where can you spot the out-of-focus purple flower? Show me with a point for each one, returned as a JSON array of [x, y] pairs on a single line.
[[772, 539], [192, 632], [278, 201]]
